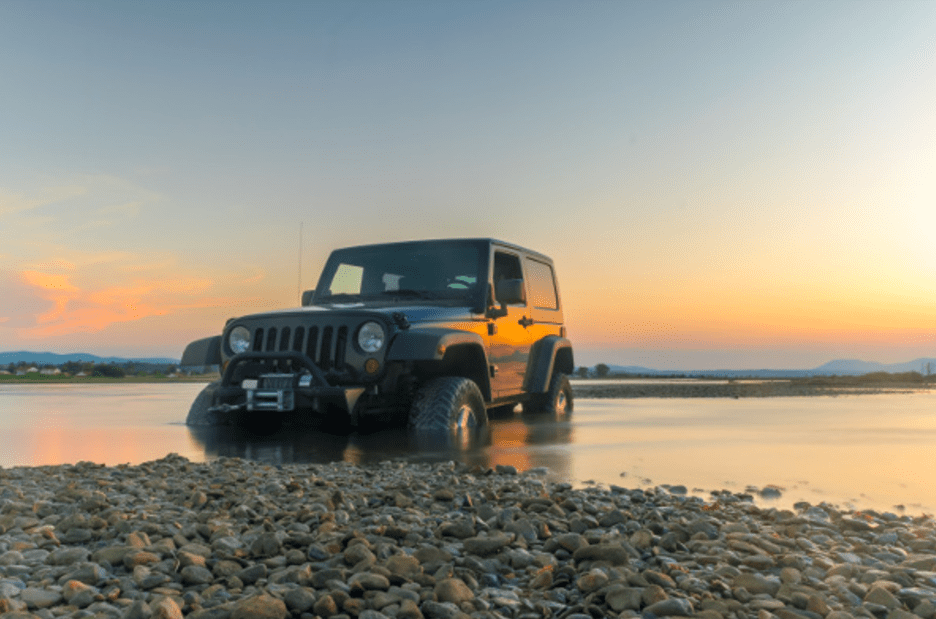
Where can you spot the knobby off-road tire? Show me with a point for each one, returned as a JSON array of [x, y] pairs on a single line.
[[448, 403], [557, 401], [198, 414]]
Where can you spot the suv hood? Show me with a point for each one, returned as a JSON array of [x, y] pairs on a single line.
[[413, 313]]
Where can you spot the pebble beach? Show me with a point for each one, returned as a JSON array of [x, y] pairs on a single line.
[[236, 539]]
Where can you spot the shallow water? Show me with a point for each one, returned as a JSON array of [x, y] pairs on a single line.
[[867, 451]]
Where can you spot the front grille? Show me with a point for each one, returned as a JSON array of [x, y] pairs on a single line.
[[326, 346]]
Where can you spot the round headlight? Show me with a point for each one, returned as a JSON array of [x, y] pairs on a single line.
[[239, 340], [370, 336]]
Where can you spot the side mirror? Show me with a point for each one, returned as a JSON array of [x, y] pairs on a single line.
[[307, 297], [510, 291]]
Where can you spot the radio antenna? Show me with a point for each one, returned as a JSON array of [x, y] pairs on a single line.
[[299, 280]]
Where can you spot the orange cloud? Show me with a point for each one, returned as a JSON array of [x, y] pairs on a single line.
[[77, 310]]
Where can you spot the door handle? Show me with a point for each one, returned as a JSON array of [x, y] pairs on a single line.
[[525, 322]]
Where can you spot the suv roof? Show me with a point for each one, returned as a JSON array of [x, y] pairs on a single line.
[[485, 240]]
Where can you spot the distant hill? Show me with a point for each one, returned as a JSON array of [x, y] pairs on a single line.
[[51, 358], [853, 366], [839, 367]]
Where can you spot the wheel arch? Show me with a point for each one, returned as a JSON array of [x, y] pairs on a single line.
[[444, 352], [549, 355]]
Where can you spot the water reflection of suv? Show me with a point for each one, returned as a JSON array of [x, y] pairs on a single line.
[[436, 334]]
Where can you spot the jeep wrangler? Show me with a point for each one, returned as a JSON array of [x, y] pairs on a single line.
[[436, 334]]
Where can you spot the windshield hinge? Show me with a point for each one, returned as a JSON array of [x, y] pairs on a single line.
[[400, 319]]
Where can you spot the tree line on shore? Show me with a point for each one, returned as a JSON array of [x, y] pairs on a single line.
[[89, 368]]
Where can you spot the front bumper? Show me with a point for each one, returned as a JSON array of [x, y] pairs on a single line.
[[287, 381]]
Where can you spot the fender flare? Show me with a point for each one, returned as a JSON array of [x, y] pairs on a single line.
[[429, 344], [202, 352], [550, 354]]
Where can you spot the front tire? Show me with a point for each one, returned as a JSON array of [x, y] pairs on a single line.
[[448, 403], [198, 414], [557, 401]]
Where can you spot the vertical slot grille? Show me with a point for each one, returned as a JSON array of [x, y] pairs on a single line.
[[271, 339], [325, 358], [340, 344], [284, 339], [312, 343], [297, 339], [258, 340]]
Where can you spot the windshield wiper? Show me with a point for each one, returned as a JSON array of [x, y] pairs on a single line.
[[410, 292]]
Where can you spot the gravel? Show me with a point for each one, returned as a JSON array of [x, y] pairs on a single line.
[[236, 539]]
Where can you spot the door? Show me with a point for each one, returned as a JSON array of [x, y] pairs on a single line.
[[509, 349]]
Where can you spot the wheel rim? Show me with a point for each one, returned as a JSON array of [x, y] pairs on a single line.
[[562, 403], [465, 416]]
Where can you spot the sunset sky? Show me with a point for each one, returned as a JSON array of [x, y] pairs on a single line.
[[722, 185]]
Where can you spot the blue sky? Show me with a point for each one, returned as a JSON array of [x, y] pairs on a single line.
[[721, 184]]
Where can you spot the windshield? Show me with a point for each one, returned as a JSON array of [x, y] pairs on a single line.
[[403, 272]]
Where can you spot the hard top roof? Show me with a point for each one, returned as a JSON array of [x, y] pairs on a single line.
[[479, 240]]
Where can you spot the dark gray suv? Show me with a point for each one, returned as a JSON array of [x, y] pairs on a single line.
[[435, 334]]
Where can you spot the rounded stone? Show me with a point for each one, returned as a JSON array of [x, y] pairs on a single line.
[[368, 581], [791, 576], [325, 606], [299, 600], [260, 607], [756, 584], [671, 607], [404, 566], [266, 545], [39, 598], [624, 598], [592, 580], [453, 590], [615, 554], [484, 546], [196, 575], [166, 608]]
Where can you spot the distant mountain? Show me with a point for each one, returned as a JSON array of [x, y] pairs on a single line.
[[854, 366], [51, 358]]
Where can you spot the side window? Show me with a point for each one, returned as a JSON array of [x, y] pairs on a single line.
[[506, 266], [542, 285]]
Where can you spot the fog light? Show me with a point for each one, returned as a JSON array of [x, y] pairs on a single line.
[[371, 366]]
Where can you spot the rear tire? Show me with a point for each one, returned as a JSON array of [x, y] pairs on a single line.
[[557, 401], [448, 403]]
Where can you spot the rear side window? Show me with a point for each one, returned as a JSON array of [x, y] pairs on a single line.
[[542, 285]]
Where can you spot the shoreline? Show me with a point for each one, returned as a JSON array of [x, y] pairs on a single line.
[[235, 539], [742, 389]]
